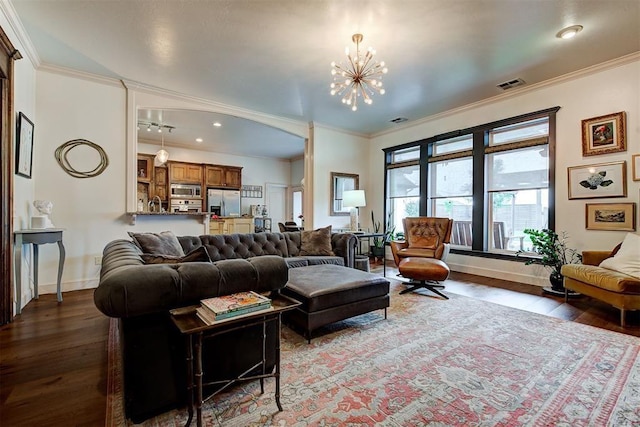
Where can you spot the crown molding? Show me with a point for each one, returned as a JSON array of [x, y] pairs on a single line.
[[614, 63], [18, 29], [70, 72], [258, 116]]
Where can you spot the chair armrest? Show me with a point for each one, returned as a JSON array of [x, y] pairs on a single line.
[[594, 257], [396, 245]]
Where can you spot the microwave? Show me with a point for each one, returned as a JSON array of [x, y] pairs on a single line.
[[186, 190]]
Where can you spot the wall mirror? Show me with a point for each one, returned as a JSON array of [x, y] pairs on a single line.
[[339, 183]]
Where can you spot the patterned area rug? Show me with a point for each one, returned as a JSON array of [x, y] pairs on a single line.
[[461, 362]]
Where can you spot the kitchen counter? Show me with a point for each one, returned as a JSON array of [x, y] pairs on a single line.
[[135, 215]]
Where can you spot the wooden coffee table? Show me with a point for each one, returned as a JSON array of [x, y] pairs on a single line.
[[195, 331]]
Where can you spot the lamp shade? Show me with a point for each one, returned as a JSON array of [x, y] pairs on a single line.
[[353, 198]]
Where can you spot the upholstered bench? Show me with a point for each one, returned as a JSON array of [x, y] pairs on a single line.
[[330, 293]]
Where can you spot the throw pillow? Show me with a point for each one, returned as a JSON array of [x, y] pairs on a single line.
[[165, 243], [199, 254], [316, 242], [627, 259]]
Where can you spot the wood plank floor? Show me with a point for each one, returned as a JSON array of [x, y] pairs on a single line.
[[53, 357]]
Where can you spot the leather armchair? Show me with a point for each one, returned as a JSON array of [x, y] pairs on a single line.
[[425, 237]]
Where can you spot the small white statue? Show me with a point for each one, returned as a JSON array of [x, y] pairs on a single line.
[[44, 207]]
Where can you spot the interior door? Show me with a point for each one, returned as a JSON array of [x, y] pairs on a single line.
[[276, 200]]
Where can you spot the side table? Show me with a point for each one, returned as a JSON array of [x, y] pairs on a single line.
[[35, 237], [196, 331]]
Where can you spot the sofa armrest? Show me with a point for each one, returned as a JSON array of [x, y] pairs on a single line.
[[344, 245], [594, 257]]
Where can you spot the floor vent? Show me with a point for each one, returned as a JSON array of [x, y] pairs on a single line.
[[511, 84], [399, 120]]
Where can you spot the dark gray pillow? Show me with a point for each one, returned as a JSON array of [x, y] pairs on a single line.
[[165, 243], [316, 242], [197, 255]]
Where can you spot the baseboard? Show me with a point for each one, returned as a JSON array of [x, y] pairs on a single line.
[[500, 274]]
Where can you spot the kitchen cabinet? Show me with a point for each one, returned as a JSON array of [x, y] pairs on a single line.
[[223, 176], [145, 168], [231, 226], [152, 181], [185, 173], [160, 182]]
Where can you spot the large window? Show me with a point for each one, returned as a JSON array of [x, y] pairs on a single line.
[[493, 180], [403, 186]]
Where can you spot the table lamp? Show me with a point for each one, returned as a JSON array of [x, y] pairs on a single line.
[[353, 199]]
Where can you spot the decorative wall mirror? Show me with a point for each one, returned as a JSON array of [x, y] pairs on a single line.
[[339, 183]]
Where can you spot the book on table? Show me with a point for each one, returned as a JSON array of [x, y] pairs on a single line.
[[233, 305]]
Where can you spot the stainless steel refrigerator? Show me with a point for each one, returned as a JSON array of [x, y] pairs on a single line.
[[223, 202]]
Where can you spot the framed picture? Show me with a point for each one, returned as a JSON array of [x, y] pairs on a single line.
[[601, 180], [24, 146], [635, 166], [604, 134], [611, 216]]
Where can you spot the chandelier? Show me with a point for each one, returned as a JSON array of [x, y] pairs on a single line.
[[360, 76]]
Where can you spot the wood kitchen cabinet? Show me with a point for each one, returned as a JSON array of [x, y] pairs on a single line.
[[223, 176], [231, 226], [161, 182], [152, 181], [145, 168], [185, 173]]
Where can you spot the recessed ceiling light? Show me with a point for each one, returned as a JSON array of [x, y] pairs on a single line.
[[569, 32], [198, 139], [216, 124]]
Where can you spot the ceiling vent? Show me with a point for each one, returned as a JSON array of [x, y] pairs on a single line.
[[399, 120], [511, 84]]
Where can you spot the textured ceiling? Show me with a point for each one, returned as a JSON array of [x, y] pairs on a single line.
[[274, 56]]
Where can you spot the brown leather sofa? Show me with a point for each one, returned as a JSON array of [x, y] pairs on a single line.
[[140, 295], [618, 289]]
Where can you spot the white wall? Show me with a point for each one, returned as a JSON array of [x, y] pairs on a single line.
[[606, 89], [336, 151]]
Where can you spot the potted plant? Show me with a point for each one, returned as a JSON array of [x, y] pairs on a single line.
[[554, 253], [377, 250]]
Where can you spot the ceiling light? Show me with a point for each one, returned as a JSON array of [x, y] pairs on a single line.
[[216, 124], [361, 76], [148, 128], [198, 139], [569, 32]]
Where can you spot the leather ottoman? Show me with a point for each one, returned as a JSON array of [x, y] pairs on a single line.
[[330, 293], [421, 271]]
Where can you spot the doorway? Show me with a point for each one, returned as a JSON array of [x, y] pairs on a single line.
[[276, 200]]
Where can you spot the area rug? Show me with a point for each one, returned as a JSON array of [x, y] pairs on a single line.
[[434, 362]]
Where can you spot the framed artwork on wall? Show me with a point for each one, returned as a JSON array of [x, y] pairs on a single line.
[[604, 134], [600, 180], [635, 166], [24, 146], [611, 216]]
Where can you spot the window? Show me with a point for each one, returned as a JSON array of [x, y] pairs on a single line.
[[403, 186], [451, 193], [494, 181]]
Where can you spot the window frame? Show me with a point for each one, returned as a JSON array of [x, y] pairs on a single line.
[[481, 135]]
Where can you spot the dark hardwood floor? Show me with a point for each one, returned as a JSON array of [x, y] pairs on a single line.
[[53, 357]]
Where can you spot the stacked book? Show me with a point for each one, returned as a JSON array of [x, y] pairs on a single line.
[[228, 306]]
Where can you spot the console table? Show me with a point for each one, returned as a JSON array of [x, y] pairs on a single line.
[[195, 331], [36, 237]]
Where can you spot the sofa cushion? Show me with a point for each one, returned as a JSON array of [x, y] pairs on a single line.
[[294, 262], [316, 242], [197, 255], [164, 243], [602, 278], [627, 258]]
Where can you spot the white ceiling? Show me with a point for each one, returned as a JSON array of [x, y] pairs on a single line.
[[274, 56]]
